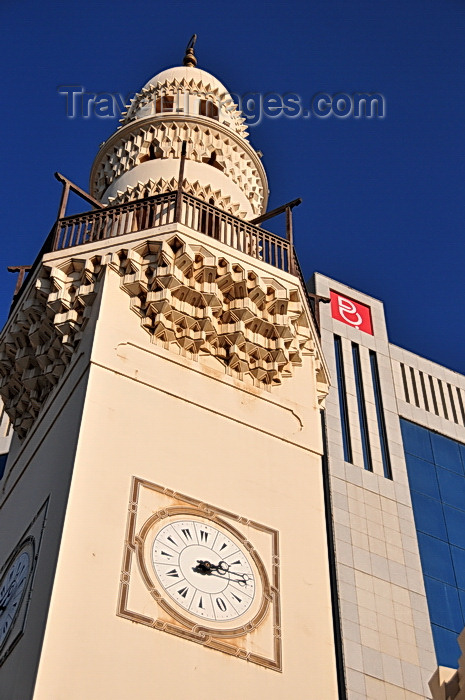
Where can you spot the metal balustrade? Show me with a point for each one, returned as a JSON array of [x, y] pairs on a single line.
[[166, 208]]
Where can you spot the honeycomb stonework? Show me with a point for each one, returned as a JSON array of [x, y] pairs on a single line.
[[164, 136], [196, 303], [44, 333], [189, 300]]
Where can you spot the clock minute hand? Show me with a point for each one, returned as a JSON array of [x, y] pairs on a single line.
[[207, 568]]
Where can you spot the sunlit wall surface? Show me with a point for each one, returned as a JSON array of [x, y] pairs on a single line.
[[436, 471]]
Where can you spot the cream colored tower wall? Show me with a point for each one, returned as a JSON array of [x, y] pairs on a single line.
[[175, 422], [33, 501], [5, 431]]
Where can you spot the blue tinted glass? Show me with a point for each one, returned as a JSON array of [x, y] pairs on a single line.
[[428, 516], [436, 559], [458, 558], [446, 453], [462, 454], [444, 604], [455, 521], [422, 476], [416, 440], [364, 432], [3, 459], [452, 488], [446, 645], [462, 601]]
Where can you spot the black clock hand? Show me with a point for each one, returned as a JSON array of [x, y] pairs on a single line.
[[207, 568], [242, 581]]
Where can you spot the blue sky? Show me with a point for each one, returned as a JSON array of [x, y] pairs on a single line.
[[383, 199]]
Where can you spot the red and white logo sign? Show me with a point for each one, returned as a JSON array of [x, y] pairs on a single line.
[[351, 312]]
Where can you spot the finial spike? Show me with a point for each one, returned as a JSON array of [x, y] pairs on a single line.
[[190, 59]]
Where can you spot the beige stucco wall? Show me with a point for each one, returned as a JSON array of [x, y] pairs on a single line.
[[35, 486], [153, 414]]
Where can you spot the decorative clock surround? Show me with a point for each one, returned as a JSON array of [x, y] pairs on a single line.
[[43, 336], [171, 551], [16, 583], [13, 586], [197, 303]]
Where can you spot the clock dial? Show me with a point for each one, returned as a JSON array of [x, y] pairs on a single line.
[[13, 587], [205, 571]]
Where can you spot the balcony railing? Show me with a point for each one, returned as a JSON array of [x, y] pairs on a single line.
[[168, 208]]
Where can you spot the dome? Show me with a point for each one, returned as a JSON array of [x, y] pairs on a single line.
[[183, 105], [182, 90], [189, 73]]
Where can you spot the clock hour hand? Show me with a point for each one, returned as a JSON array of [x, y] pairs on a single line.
[[207, 568], [204, 567]]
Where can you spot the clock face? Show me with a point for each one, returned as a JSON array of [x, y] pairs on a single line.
[[204, 569], [13, 587]]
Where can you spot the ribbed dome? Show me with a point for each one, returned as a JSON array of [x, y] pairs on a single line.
[[178, 73], [187, 85], [183, 104]]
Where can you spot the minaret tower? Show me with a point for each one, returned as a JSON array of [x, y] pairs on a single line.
[[162, 511]]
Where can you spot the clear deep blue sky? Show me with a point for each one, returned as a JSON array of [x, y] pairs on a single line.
[[383, 200]]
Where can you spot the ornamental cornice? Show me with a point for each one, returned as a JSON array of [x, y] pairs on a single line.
[[110, 163], [189, 299], [42, 337], [196, 303]]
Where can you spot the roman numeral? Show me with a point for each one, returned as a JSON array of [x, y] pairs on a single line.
[[173, 572], [235, 562], [171, 540], [187, 533], [239, 600], [221, 604], [183, 591], [203, 536], [166, 554], [201, 603], [223, 546]]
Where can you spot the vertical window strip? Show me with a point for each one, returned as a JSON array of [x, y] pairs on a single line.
[[443, 400], [366, 450], [380, 416], [452, 403], [462, 410], [414, 385], [433, 394], [343, 408], [423, 390], [404, 380]]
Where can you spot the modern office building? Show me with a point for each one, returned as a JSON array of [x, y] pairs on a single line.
[[160, 366], [396, 465]]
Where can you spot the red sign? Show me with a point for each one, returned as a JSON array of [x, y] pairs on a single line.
[[351, 312]]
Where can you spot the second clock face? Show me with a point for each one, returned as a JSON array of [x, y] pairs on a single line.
[[204, 570], [12, 588]]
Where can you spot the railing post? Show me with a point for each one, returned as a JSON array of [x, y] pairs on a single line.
[[180, 181], [56, 237], [290, 238], [63, 200]]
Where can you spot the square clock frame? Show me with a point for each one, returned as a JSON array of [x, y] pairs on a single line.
[[202, 573]]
